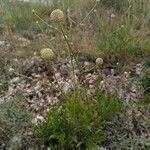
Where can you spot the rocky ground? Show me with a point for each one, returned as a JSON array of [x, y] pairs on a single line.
[[40, 83], [41, 91]]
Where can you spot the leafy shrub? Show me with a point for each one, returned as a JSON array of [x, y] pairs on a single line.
[[77, 122]]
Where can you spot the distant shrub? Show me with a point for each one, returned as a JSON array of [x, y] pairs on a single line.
[[117, 4]]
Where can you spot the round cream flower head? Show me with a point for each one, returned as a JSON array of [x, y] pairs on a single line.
[[99, 61], [47, 54], [57, 16]]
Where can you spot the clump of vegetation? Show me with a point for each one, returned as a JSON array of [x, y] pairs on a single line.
[[146, 82], [78, 121], [14, 119], [115, 30]]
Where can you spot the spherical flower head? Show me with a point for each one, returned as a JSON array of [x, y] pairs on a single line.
[[57, 16], [99, 61], [47, 54]]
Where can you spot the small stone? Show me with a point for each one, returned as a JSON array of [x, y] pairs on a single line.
[[30, 133], [91, 86], [88, 76], [41, 118], [23, 41], [15, 80], [91, 92], [2, 43], [112, 72], [58, 76], [39, 77], [86, 63], [91, 81], [67, 87]]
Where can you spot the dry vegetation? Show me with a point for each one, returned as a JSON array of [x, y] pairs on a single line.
[[64, 103]]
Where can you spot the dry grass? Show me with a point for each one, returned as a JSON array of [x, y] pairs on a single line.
[[124, 38]]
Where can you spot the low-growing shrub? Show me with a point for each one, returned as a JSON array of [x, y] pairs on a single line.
[[77, 121], [14, 119]]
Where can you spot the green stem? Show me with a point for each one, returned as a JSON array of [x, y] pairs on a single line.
[[72, 55], [88, 69], [46, 22], [88, 14], [59, 87], [23, 76]]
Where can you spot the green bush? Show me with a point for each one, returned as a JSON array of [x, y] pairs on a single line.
[[77, 122]]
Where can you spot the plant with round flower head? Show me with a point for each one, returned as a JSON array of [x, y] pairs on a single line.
[[99, 61], [57, 16], [47, 54]]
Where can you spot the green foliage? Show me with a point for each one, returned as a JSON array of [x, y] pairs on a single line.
[[146, 82], [13, 118], [121, 44], [129, 129], [18, 15], [146, 79], [119, 5], [78, 121], [3, 86]]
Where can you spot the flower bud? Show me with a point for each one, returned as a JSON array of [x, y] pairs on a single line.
[[57, 16], [99, 61], [47, 54]]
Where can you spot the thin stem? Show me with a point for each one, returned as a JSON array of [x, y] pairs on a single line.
[[72, 55], [89, 69], [4, 132], [46, 22], [47, 42], [55, 77], [23, 76], [88, 14]]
